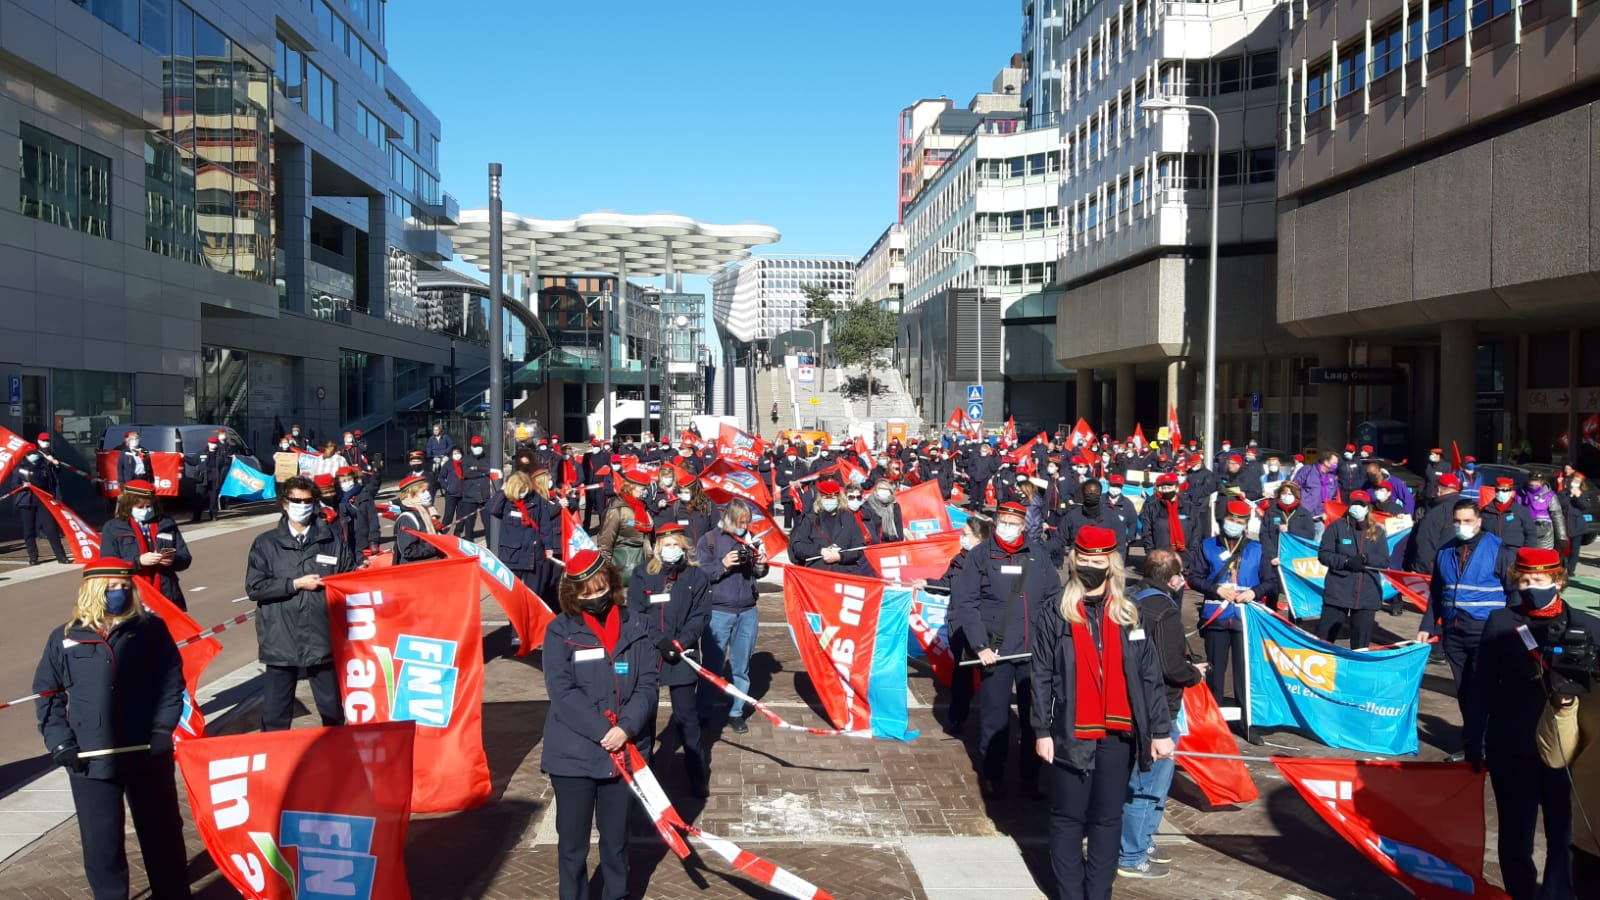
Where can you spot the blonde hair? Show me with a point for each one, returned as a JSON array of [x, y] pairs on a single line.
[[654, 565], [517, 486], [90, 610], [1123, 611], [540, 484]]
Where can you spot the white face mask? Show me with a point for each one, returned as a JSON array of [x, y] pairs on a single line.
[[44, 445], [685, 496], [968, 541], [1466, 532], [477, 451], [455, 456], [1433, 457], [1382, 496], [34, 458], [853, 504], [1286, 498], [284, 445], [1272, 467], [144, 513], [346, 485], [1359, 513], [425, 499], [671, 554], [1503, 496], [133, 443], [1008, 531], [301, 513], [349, 439], [884, 495], [830, 505], [1233, 529], [1115, 491]]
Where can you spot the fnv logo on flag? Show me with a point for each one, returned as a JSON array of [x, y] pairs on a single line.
[[1364, 701], [1420, 822], [408, 646], [528, 614], [923, 510], [851, 634], [308, 814], [931, 633], [245, 483], [724, 481]]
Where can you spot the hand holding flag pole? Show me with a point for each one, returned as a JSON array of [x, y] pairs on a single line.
[[776, 720], [979, 662]]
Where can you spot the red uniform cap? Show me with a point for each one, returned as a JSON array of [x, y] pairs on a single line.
[[476, 442], [828, 488], [584, 565], [1366, 448], [1239, 508], [348, 470], [1360, 497], [140, 488], [107, 567], [1299, 457], [357, 432], [1234, 457], [409, 480], [636, 476], [323, 481], [1450, 481], [1117, 479], [1534, 559], [1166, 478], [667, 528], [416, 454], [1436, 450], [1470, 459], [129, 434], [1350, 448], [1505, 483], [43, 437], [1095, 541], [1012, 507]]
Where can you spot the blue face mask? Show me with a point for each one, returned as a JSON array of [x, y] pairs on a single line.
[[118, 600]]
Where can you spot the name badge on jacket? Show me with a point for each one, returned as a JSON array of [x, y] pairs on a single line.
[[660, 598], [1010, 570], [589, 655], [324, 559]]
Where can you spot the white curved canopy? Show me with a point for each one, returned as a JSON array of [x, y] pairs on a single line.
[[590, 243]]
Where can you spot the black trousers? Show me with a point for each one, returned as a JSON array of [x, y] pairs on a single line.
[[468, 513], [1222, 647], [603, 804], [1088, 805], [205, 500], [277, 695], [36, 520], [152, 795], [450, 504], [1585, 875], [1357, 621], [994, 719], [1522, 787], [960, 681], [1460, 648], [686, 716]]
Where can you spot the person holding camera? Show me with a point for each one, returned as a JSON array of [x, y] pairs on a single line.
[[734, 563], [1524, 663], [1569, 728]]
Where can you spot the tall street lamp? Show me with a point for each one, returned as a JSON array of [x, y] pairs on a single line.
[[497, 339], [1159, 104], [954, 252]]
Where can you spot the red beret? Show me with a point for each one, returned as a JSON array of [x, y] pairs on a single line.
[[1505, 483], [323, 481], [1095, 541], [476, 440], [349, 470], [409, 480], [1435, 450], [1450, 480], [1116, 479], [1239, 508], [1166, 478], [140, 488], [1234, 457], [1360, 497], [1351, 448], [43, 436], [584, 565], [1470, 459], [1534, 559], [129, 434], [1366, 448], [828, 487], [636, 476], [107, 567], [357, 432], [1012, 507], [1299, 457]]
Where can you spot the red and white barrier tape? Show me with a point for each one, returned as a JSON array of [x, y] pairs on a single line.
[[633, 769], [28, 699], [776, 720], [218, 629]]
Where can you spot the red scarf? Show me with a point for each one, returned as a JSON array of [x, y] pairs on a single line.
[[641, 517], [569, 474], [459, 477], [527, 519], [1011, 549], [1175, 525], [608, 630], [148, 546], [1549, 612], [1101, 704]]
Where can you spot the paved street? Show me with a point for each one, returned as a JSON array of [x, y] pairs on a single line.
[[860, 818]]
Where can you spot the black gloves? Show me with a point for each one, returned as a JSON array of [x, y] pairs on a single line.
[[161, 743], [67, 755], [669, 653], [1357, 563]]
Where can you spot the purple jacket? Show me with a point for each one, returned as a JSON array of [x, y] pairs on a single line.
[[1539, 504], [1316, 486]]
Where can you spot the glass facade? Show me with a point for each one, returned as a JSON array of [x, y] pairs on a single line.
[[63, 183], [222, 395], [86, 403]]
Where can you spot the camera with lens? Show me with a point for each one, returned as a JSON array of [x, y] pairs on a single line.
[[1573, 660], [747, 556]]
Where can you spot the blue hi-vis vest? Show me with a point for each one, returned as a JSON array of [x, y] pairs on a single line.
[[1246, 569], [1476, 592]]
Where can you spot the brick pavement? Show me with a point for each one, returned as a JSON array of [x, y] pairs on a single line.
[[833, 810]]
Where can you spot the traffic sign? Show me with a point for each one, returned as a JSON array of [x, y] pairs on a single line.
[[14, 389], [975, 393], [1255, 403], [975, 411], [815, 401]]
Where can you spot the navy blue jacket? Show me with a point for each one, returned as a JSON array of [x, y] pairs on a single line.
[[1348, 585], [980, 592], [291, 624], [452, 483], [1507, 693], [524, 538], [119, 540], [732, 590], [409, 548], [585, 683], [696, 525], [842, 528], [125, 466], [118, 690], [475, 486], [42, 475], [1514, 527], [672, 603], [1299, 523], [875, 522], [1155, 529], [439, 446]]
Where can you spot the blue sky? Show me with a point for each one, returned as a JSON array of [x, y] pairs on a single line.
[[783, 113]]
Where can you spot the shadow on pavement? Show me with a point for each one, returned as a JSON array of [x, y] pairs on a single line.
[[14, 775]]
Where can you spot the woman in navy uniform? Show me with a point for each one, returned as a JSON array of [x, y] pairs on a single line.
[[527, 542], [830, 536], [416, 514], [673, 599], [1229, 569], [974, 531], [1099, 706], [143, 536], [692, 510], [1353, 548], [600, 673], [133, 463], [115, 683], [882, 513], [993, 602], [40, 470]]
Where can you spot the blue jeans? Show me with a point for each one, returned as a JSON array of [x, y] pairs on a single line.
[[730, 639], [1141, 812]]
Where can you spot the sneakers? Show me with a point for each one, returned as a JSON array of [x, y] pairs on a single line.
[[1149, 868], [1157, 855], [738, 724]]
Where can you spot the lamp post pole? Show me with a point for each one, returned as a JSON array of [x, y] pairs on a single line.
[[497, 338], [605, 366], [1158, 104]]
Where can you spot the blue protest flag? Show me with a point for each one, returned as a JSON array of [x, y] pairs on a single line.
[[1364, 701], [245, 483], [1302, 575]]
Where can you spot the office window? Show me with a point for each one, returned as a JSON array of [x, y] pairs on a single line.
[[1415, 35], [1229, 75], [1387, 45], [1485, 10], [63, 183], [1035, 220], [1138, 187], [1036, 164], [370, 126], [1352, 73], [123, 15], [1015, 167], [1228, 169], [155, 26], [160, 209], [1263, 69], [1317, 89], [408, 129], [1194, 78], [1446, 22], [1263, 165]]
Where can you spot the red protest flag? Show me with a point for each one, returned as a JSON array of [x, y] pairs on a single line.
[[1411, 585], [862, 452], [934, 642], [766, 531], [1455, 457], [924, 511], [166, 470], [852, 637], [408, 644], [573, 536], [1201, 729], [1332, 510], [690, 438], [281, 811], [906, 561], [1590, 430], [1082, 434], [81, 539], [722, 481], [1174, 434], [1009, 433], [957, 420], [527, 611], [1138, 437], [13, 448], [196, 654], [1420, 822], [739, 447]]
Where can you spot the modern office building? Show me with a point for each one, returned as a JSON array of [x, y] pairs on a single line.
[[1439, 218], [881, 273], [1137, 199], [756, 299], [1043, 28], [221, 212]]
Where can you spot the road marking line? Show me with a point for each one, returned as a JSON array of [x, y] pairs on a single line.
[[196, 590]]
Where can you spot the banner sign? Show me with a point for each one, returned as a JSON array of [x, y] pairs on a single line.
[[1303, 575], [166, 472], [245, 483], [528, 613], [739, 447], [83, 541], [923, 511], [408, 646], [907, 561]]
